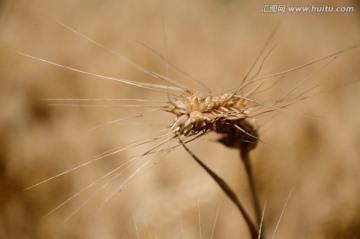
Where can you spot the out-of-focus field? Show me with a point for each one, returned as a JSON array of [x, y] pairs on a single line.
[[311, 147]]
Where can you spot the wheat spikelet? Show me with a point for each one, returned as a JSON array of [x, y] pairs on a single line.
[[226, 114]]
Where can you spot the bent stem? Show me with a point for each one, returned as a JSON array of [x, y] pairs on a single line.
[[227, 190], [245, 157]]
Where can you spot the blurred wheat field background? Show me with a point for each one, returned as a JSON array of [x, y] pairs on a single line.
[[313, 148]]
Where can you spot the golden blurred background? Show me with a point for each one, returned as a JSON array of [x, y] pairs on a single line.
[[311, 147]]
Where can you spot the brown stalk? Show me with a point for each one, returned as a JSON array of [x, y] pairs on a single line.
[[245, 157], [227, 190]]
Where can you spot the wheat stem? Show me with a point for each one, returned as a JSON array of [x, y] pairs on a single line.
[[227, 190], [245, 157]]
